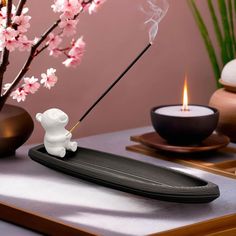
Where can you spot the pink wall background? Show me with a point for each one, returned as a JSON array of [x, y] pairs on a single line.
[[114, 36]]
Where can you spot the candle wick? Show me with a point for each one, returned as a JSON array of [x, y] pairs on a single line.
[[185, 109]]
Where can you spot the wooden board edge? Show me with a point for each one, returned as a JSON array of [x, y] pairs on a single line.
[[216, 226], [139, 148], [135, 138], [38, 222]]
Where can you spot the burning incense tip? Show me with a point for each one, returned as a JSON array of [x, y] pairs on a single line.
[[75, 126], [156, 10]]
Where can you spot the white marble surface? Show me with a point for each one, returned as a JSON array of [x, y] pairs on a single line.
[[101, 210]]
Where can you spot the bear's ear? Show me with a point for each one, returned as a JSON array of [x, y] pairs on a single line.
[[39, 117]]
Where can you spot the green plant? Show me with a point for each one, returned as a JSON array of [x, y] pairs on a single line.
[[223, 24]]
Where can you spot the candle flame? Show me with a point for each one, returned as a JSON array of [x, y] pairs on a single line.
[[157, 9], [185, 96]]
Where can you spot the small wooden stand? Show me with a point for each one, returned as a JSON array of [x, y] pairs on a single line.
[[226, 168]]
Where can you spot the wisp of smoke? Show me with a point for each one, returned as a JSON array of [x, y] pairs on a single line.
[[156, 10]]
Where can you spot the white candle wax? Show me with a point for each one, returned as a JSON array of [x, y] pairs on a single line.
[[178, 112]]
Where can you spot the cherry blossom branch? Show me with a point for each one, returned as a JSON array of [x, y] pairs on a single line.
[[46, 45], [41, 49], [5, 54], [84, 3], [28, 62], [20, 7], [34, 52], [19, 10], [9, 8], [75, 17]]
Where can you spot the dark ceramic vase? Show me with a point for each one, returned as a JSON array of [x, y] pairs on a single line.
[[16, 126]]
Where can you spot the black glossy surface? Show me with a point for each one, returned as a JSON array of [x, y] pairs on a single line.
[[130, 175]]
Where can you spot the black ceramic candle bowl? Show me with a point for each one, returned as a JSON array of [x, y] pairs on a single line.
[[184, 130]]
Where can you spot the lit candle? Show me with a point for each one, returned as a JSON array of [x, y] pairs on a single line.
[[184, 124], [176, 110], [185, 110]]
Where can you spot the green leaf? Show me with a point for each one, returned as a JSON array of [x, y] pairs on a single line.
[[231, 21], [234, 7], [208, 43], [226, 26], [219, 36]]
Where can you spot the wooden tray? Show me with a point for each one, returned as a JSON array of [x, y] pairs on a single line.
[[226, 168], [222, 226], [38, 223]]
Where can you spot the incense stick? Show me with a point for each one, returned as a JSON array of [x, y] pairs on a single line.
[[111, 86], [156, 14]]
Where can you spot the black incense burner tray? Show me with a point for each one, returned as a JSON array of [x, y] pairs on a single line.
[[129, 175]]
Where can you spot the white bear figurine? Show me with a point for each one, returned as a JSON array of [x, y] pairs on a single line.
[[57, 138]]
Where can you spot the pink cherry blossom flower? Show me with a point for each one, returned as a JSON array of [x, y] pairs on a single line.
[[36, 39], [73, 5], [8, 38], [58, 5], [72, 61], [49, 79], [24, 44], [78, 48], [3, 14], [24, 11], [8, 33], [68, 8], [93, 7], [19, 94], [55, 52], [53, 41], [2, 18], [31, 85], [12, 36], [67, 15], [75, 54], [11, 44], [22, 23], [69, 27], [71, 8]]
